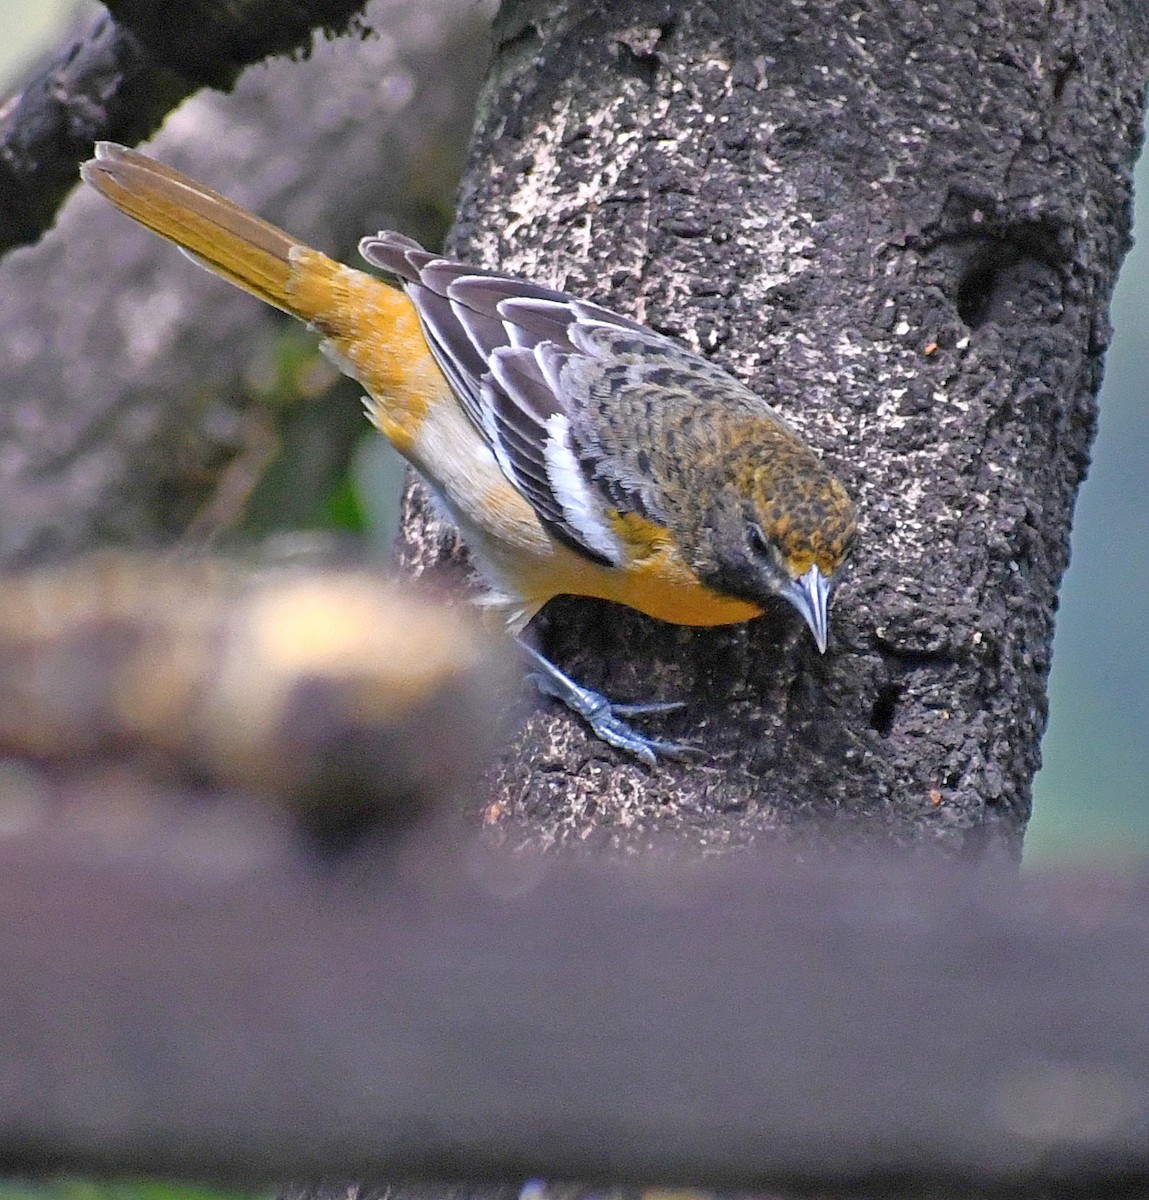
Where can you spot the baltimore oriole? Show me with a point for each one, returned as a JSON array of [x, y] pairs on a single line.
[[579, 452]]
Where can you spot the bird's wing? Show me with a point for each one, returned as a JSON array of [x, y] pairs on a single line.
[[523, 361]]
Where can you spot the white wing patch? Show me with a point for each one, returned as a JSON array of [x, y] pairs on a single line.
[[581, 507]]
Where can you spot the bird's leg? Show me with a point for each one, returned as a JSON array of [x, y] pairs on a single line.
[[604, 717]]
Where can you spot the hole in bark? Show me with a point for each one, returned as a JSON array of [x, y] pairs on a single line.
[[1002, 270], [885, 708], [641, 66], [1006, 275]]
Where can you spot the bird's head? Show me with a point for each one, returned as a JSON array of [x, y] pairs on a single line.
[[784, 526]]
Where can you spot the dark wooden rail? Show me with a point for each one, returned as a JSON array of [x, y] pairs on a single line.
[[213, 1003]]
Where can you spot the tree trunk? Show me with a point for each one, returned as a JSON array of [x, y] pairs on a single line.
[[901, 223]]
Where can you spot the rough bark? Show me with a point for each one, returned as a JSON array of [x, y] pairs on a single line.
[[131, 379], [902, 223]]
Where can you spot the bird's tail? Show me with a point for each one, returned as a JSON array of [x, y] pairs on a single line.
[[217, 233], [371, 329]]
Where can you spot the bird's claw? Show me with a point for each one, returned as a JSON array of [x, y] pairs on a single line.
[[605, 718], [646, 749]]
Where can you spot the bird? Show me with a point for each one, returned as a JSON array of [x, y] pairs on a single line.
[[578, 451]]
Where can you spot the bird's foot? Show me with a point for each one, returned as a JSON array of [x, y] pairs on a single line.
[[605, 718]]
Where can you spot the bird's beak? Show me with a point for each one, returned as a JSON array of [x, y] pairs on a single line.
[[810, 595]]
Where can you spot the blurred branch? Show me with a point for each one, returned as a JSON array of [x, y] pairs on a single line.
[[123, 76], [129, 375], [175, 1009], [326, 692]]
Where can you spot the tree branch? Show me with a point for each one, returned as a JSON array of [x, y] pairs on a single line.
[[123, 76]]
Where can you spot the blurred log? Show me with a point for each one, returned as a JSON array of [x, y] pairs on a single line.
[[217, 1010], [328, 692]]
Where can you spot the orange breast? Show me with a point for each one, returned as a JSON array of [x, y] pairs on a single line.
[[656, 580]]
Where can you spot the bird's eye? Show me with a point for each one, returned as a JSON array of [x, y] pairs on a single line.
[[759, 542]]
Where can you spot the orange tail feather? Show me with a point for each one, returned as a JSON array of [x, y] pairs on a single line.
[[370, 328]]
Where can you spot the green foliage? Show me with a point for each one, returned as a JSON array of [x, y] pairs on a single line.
[[69, 1188], [345, 509]]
